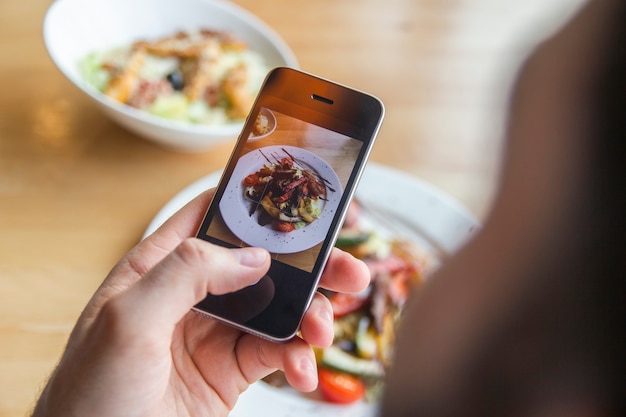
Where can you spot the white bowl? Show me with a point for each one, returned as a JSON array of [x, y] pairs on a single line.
[[74, 28]]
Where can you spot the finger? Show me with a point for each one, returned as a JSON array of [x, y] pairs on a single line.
[[345, 273], [183, 278], [317, 324], [180, 226], [300, 367], [259, 357]]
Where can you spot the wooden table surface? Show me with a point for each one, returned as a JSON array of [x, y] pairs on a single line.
[[77, 191]]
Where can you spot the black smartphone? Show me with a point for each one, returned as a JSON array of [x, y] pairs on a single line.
[[286, 188]]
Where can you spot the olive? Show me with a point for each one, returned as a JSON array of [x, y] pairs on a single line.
[[176, 80], [347, 345]]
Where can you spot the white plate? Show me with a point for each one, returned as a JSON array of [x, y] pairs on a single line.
[[235, 208], [427, 214]]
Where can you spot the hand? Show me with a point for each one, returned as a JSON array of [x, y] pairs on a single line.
[[138, 350]]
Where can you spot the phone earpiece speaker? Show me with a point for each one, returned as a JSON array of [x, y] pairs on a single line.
[[322, 99]]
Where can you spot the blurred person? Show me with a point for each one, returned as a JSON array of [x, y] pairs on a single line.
[[526, 319], [523, 321]]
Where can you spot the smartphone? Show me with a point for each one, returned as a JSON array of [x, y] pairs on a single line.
[[286, 188]]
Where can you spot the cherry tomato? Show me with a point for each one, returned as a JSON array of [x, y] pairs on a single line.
[[251, 180], [343, 303], [339, 387], [285, 227]]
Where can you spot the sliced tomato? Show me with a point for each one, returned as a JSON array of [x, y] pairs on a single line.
[[339, 387], [399, 287], [251, 180], [343, 303], [285, 227]]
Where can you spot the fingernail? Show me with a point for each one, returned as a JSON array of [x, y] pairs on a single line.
[[251, 257], [326, 315], [307, 366]]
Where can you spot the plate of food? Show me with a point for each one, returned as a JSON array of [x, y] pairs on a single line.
[[402, 228], [182, 74], [282, 198]]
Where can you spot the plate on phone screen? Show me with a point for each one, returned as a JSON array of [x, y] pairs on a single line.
[[244, 217], [431, 217]]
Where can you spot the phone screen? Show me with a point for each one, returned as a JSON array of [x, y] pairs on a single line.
[[285, 189]]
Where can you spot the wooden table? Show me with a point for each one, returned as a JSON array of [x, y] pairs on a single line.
[[77, 190]]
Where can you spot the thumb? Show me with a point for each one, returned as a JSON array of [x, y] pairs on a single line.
[[184, 277]]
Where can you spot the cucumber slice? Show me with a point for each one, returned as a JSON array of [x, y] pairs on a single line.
[[335, 358], [350, 238]]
